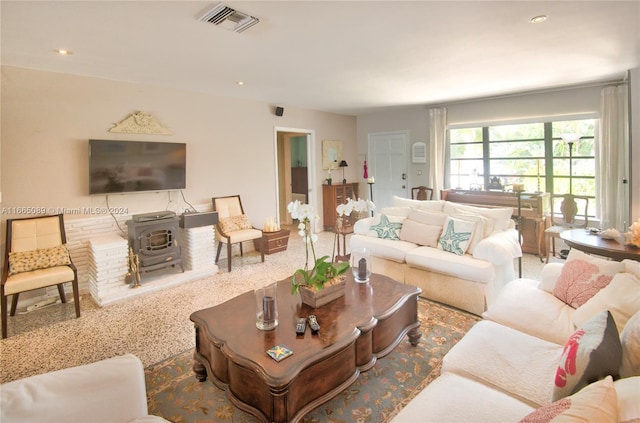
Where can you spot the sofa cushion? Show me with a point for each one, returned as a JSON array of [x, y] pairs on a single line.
[[111, 390], [591, 353], [594, 403], [396, 211], [521, 305], [583, 276], [383, 248], [435, 205], [621, 297], [549, 276], [500, 216], [423, 227], [503, 358], [453, 399], [386, 227], [630, 339], [456, 235], [628, 392], [440, 261]]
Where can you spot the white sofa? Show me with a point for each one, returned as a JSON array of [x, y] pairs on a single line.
[[109, 391], [467, 281], [505, 367]]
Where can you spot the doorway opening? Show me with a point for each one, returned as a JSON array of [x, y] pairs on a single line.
[[295, 163]]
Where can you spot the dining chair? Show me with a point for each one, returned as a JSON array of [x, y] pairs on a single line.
[[568, 211], [421, 193]]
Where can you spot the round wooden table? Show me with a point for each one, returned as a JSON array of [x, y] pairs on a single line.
[[583, 240]]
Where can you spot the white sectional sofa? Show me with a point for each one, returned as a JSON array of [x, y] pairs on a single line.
[[109, 391], [406, 243], [512, 363]]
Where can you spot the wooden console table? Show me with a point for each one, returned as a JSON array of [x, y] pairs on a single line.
[[535, 208], [583, 240]]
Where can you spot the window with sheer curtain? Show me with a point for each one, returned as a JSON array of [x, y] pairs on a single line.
[[534, 154]]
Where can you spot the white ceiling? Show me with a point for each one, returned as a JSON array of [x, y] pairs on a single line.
[[348, 57]]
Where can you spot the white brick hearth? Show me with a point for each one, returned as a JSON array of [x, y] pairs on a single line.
[[99, 249]]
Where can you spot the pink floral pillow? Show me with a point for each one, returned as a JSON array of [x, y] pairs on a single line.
[[583, 276], [594, 403]]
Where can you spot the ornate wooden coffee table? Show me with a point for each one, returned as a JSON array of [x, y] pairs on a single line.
[[357, 329]]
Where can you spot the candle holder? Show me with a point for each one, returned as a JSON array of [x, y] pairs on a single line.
[[266, 307], [361, 264]]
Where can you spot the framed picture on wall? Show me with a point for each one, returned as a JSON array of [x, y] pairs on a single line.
[[331, 154]]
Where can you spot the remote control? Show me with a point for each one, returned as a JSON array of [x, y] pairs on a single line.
[[301, 326], [313, 324]]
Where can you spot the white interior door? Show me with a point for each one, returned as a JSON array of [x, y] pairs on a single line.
[[388, 165]]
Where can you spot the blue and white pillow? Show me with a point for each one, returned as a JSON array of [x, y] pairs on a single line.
[[386, 227], [456, 235]]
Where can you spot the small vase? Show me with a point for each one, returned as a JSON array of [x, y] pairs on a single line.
[[331, 291]]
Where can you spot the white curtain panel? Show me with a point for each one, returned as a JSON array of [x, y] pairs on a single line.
[[613, 147], [437, 146]]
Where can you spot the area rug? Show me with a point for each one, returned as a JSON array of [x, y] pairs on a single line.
[[376, 396]]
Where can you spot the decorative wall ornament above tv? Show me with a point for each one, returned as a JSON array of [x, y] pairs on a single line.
[[140, 123]]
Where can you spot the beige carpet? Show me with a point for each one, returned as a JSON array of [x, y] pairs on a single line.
[[154, 327]]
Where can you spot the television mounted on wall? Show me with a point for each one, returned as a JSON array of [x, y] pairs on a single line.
[[136, 166]]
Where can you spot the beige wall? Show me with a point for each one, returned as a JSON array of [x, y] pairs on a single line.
[[48, 117]]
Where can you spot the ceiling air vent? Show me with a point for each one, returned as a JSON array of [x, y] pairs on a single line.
[[228, 18]]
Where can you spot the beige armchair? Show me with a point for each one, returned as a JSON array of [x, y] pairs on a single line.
[[36, 257], [233, 226]]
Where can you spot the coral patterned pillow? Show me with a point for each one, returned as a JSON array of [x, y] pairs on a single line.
[[594, 403], [26, 261], [234, 223], [593, 352], [583, 276]]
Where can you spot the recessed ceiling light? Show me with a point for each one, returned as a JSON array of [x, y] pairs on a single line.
[[241, 83], [538, 19], [63, 52]]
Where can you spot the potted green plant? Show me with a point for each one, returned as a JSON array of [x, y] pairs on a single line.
[[323, 282]]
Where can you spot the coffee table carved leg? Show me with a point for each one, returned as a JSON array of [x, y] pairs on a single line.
[[414, 336], [200, 371]]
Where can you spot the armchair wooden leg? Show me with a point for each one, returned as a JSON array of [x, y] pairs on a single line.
[[218, 253], [229, 256], [14, 303], [63, 297], [262, 248], [76, 296], [241, 252], [3, 307]]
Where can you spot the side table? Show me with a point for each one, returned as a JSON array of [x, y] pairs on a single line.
[[274, 242]]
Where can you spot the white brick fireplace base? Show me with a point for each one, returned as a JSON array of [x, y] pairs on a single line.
[[99, 249], [108, 265]]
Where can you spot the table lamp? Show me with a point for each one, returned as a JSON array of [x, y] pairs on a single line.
[[343, 164]]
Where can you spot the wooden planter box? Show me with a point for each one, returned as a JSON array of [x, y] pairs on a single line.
[[324, 296], [273, 241]]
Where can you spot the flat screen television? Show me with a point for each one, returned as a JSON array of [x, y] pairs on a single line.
[[134, 166]]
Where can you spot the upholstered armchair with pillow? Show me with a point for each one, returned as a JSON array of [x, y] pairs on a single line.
[[36, 257], [233, 226]]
